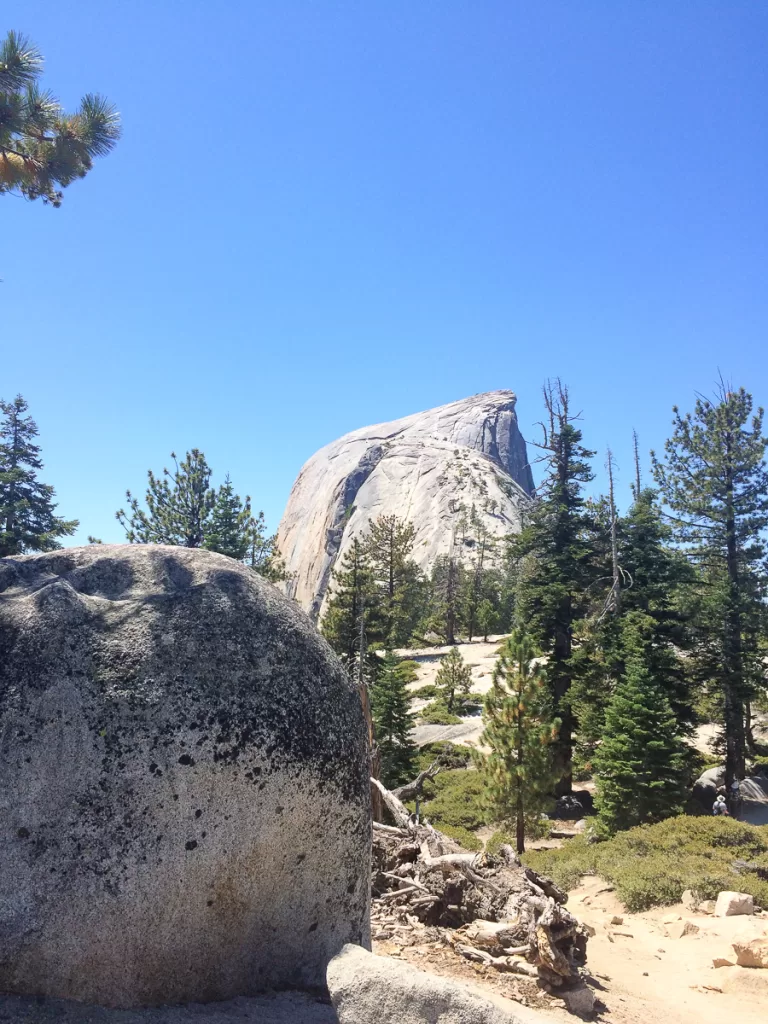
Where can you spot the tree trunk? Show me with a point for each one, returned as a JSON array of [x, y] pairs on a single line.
[[733, 677], [520, 819]]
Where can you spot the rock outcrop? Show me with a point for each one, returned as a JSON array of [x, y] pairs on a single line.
[[368, 989], [430, 468], [184, 798]]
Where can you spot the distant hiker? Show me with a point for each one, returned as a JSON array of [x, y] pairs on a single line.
[[720, 806]]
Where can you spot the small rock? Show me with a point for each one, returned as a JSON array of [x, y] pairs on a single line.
[[580, 1001], [720, 961], [752, 954], [623, 931], [731, 903], [688, 900], [680, 928], [707, 907], [617, 919]]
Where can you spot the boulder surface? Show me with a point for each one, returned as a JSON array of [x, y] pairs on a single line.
[[184, 807], [430, 469], [368, 989]]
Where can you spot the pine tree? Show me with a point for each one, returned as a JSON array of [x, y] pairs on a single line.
[[660, 577], [178, 505], [487, 618], [263, 554], [43, 149], [454, 676], [641, 762], [477, 575], [446, 587], [713, 478], [557, 546], [390, 708], [388, 547], [228, 524], [352, 614], [27, 518], [518, 772]]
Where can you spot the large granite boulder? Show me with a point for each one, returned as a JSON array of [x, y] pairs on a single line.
[[430, 468], [184, 801]]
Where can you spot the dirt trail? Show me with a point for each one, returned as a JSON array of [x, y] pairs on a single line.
[[648, 976], [640, 974]]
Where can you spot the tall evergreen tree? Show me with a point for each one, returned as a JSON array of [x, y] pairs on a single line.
[[446, 587], [263, 554], [713, 478], [487, 618], [640, 763], [27, 518], [478, 574], [388, 546], [42, 148], [518, 770], [227, 526], [351, 622], [390, 708], [556, 543], [453, 676], [179, 504]]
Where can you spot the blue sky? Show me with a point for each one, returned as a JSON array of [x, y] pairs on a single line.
[[328, 214]]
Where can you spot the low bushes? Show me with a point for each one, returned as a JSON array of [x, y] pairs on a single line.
[[437, 713], [453, 799], [450, 755], [652, 865], [427, 692]]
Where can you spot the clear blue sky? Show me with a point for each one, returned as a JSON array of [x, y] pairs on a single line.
[[327, 214]]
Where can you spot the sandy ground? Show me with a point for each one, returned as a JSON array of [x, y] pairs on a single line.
[[647, 976], [639, 974]]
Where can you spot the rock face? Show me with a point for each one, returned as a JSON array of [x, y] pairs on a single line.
[[427, 468], [368, 989], [184, 802]]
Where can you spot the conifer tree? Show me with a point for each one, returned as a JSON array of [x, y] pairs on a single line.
[[446, 587], [453, 677], [178, 505], [487, 618], [713, 479], [390, 708], [476, 576], [641, 762], [388, 547], [351, 620], [556, 546], [227, 526], [27, 518], [263, 554], [518, 772], [42, 148]]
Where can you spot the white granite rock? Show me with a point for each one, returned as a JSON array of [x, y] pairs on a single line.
[[423, 468]]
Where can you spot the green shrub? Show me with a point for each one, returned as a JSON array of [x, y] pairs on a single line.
[[451, 755], [408, 670], [468, 840], [437, 713], [424, 692], [454, 799], [652, 865]]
